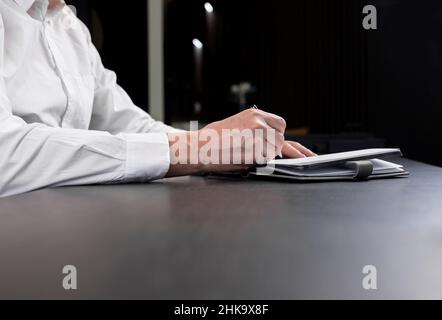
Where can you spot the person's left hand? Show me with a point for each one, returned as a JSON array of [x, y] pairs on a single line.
[[295, 150]]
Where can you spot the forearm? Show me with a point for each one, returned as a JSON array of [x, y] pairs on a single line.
[[35, 156]]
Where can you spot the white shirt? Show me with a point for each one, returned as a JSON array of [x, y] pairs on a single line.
[[63, 118]]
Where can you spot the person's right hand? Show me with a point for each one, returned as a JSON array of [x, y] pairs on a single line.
[[261, 138], [267, 136]]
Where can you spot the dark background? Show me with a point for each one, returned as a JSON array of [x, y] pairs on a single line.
[[309, 60]]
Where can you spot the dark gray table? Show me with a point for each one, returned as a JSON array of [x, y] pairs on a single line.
[[197, 238]]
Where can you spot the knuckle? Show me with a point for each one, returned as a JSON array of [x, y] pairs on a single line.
[[255, 125]]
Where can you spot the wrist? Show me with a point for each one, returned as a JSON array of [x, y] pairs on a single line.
[[184, 150]]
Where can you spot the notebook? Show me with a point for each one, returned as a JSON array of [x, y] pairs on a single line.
[[354, 165]]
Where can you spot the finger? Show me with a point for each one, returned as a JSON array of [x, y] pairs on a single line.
[[273, 139], [277, 141], [264, 151], [302, 149], [291, 152], [273, 121]]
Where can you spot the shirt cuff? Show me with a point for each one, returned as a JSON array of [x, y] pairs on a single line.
[[148, 156]]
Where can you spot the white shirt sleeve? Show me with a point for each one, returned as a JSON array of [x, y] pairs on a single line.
[[34, 156]]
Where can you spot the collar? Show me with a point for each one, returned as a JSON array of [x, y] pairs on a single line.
[[39, 8], [25, 4]]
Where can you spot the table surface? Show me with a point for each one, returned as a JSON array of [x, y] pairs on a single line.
[[208, 238]]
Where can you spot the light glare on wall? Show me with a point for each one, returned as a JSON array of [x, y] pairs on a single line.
[[208, 6], [197, 43]]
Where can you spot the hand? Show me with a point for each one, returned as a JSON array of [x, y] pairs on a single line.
[[296, 150], [266, 134]]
